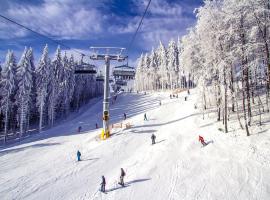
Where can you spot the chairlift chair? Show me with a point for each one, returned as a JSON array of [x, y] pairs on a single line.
[[85, 68]]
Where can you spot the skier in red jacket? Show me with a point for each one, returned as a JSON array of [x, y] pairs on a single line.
[[202, 140]]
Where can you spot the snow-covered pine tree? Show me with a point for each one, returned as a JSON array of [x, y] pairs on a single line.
[[71, 80], [163, 68], [8, 89], [179, 67], [33, 111], [172, 63], [43, 78], [54, 85], [147, 72], [23, 96], [66, 85], [153, 69], [139, 74]]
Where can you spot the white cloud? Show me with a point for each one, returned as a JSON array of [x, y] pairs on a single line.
[[162, 22], [60, 19]]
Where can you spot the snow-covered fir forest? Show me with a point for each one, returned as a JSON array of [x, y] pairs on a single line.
[[35, 95], [226, 55]]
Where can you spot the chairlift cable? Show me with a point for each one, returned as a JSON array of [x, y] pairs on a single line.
[[42, 35], [135, 34]]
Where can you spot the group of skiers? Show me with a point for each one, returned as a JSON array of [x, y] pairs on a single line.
[[121, 182], [122, 174]]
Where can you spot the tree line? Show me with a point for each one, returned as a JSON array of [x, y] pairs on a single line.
[[35, 95], [161, 69]]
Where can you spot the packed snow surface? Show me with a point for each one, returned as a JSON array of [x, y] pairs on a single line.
[[231, 166]]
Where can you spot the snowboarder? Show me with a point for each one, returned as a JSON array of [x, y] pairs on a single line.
[[79, 129], [103, 184], [122, 177], [201, 139], [79, 155], [125, 116], [153, 138], [145, 118]]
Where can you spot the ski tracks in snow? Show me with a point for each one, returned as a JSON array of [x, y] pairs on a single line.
[[172, 195]]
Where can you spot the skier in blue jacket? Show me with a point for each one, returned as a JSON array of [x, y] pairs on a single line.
[[79, 155]]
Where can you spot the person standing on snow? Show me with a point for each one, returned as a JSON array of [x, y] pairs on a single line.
[[79, 155], [145, 118], [103, 184], [122, 177], [153, 138], [201, 139], [125, 116]]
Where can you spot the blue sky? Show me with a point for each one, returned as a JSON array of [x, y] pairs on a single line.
[[84, 23]]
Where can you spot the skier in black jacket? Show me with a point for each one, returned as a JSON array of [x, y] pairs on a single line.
[[122, 177], [103, 184], [153, 138]]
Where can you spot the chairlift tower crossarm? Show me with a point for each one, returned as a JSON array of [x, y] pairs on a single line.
[[107, 58]]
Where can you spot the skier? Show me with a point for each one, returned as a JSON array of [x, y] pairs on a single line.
[[201, 139], [103, 183], [96, 126], [185, 98], [79, 155], [125, 116], [79, 129], [153, 138], [122, 177], [145, 118]]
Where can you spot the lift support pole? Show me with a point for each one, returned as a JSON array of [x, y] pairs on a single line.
[[106, 98], [106, 131]]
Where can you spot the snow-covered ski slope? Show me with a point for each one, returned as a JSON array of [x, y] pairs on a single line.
[[177, 167]]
